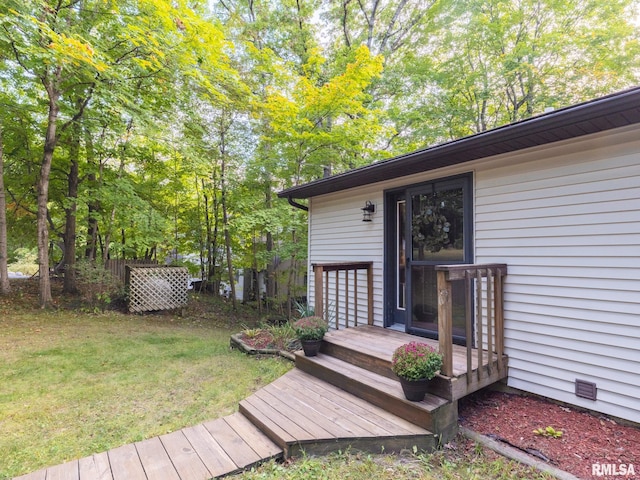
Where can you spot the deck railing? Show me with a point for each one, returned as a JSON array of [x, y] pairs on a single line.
[[338, 295], [489, 315]]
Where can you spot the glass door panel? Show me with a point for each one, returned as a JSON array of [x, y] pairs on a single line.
[[436, 221], [401, 285]]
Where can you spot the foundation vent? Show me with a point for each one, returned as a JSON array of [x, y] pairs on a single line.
[[586, 389]]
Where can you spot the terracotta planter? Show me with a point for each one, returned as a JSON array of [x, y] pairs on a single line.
[[414, 390], [311, 347]]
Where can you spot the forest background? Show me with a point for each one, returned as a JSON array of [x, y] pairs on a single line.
[[158, 129]]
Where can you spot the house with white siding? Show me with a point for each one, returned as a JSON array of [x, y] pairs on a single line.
[[554, 199]]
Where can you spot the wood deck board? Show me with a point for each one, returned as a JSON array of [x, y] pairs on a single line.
[[257, 440], [292, 431], [185, 459], [375, 419], [256, 408], [209, 450], [155, 460], [295, 419], [95, 467], [66, 471], [125, 463], [387, 385], [349, 341], [37, 475], [232, 443], [319, 412]]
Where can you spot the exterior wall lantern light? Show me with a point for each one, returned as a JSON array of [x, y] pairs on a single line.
[[368, 209]]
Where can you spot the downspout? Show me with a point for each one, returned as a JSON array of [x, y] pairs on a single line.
[[293, 203]]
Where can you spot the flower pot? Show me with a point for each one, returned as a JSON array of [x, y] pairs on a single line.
[[311, 347], [414, 390]]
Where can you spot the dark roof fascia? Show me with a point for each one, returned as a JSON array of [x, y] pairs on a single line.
[[605, 113]]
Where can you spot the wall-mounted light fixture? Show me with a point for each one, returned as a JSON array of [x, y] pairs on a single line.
[[368, 209]]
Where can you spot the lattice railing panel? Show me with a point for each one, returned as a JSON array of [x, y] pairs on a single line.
[[157, 288]]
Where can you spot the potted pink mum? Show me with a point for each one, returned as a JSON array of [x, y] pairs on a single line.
[[415, 364]]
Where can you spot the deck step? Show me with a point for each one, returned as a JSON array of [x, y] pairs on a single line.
[[361, 347], [436, 414], [300, 412]]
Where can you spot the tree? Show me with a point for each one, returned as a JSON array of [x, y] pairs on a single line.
[[80, 50], [4, 271], [504, 61]]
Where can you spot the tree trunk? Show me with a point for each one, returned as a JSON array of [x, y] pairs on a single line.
[[108, 233], [225, 216], [5, 287], [271, 270], [212, 238], [70, 214], [51, 85], [91, 250]]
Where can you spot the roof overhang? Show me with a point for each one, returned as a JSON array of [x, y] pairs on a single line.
[[613, 111]]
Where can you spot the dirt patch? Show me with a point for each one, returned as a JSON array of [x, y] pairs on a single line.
[[587, 439]]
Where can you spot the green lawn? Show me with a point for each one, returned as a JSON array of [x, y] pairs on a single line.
[[73, 384]]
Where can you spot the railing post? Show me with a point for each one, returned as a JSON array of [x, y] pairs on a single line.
[[468, 326], [499, 301], [370, 293], [337, 302], [479, 335], [445, 324], [318, 302]]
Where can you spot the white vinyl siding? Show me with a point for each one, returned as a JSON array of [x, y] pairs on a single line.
[[569, 230]]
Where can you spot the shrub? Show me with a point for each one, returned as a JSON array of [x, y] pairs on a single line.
[[414, 361], [98, 288], [310, 328]]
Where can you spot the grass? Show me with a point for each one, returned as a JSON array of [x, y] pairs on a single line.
[[462, 460], [75, 384]]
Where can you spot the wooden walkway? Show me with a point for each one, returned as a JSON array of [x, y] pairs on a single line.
[[212, 449]]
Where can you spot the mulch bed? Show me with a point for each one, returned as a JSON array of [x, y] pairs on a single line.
[[586, 439], [262, 342]]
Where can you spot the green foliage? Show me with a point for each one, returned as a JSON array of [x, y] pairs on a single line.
[[548, 432], [24, 260], [98, 287], [304, 309], [310, 328], [284, 336], [159, 96], [452, 463], [415, 361]]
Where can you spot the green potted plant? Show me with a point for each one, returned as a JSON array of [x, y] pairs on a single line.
[[310, 331], [415, 364]]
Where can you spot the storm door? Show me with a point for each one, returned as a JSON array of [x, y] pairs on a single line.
[[431, 226]]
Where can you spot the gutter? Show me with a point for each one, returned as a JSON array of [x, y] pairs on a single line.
[[293, 203]]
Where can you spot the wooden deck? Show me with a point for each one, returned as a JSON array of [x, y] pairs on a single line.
[[346, 397], [372, 347]]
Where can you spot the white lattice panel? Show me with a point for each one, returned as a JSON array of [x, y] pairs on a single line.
[[157, 288]]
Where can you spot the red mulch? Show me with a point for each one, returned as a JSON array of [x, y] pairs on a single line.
[[586, 439], [259, 340]]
